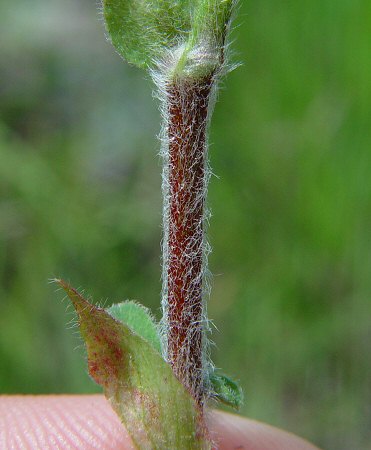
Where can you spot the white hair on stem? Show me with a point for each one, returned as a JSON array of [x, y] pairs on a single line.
[[186, 172]]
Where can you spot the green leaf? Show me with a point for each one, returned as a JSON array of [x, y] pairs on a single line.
[[211, 20], [140, 30], [139, 319], [204, 49], [144, 31], [154, 406], [226, 390]]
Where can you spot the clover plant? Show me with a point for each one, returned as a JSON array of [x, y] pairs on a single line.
[[158, 377]]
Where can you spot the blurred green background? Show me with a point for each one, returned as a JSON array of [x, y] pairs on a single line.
[[290, 142]]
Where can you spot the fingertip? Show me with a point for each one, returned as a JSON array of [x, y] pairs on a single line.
[[88, 422], [60, 422], [232, 432]]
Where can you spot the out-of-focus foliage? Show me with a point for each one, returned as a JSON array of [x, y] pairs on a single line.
[[80, 198]]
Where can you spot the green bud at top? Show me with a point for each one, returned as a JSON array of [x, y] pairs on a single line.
[[191, 32]]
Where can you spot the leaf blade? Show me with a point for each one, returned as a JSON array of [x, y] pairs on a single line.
[[140, 30], [226, 390], [154, 406], [139, 319]]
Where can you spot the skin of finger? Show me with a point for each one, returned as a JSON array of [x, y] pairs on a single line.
[[88, 422], [232, 432]]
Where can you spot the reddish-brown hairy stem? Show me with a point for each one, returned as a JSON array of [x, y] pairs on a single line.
[[187, 111]]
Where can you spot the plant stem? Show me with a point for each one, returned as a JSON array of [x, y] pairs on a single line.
[[184, 256]]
